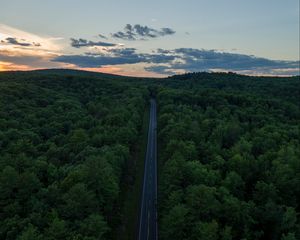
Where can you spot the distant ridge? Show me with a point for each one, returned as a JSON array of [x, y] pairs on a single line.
[[73, 72], [185, 76]]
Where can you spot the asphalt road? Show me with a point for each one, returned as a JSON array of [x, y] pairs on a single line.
[[148, 213]]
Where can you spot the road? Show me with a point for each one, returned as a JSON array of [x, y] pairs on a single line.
[[148, 213]]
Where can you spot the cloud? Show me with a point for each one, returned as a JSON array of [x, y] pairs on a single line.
[[78, 43], [133, 70], [139, 32], [182, 60], [111, 57], [8, 66], [193, 60], [114, 56], [102, 36], [162, 69], [122, 51], [28, 61], [20, 50], [96, 61], [38, 43], [29, 51], [19, 59], [23, 42], [166, 31]]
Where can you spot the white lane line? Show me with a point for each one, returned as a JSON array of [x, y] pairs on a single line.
[[148, 232], [145, 168]]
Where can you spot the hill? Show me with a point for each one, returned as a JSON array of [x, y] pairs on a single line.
[[228, 149]]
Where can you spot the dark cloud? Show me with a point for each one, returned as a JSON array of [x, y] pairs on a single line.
[[200, 59], [159, 58], [123, 51], [22, 60], [111, 57], [115, 56], [184, 59], [193, 60], [102, 36], [139, 32], [97, 61], [117, 52], [160, 69], [22, 42], [78, 43], [124, 36], [146, 57], [14, 41], [31, 61], [163, 51], [166, 31]]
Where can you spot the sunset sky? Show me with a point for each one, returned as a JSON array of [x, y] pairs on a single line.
[[151, 38]]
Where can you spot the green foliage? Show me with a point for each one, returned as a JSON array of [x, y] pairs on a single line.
[[94, 226], [175, 223], [229, 151], [64, 142], [30, 233], [205, 231]]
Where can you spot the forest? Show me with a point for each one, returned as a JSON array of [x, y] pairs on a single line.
[[64, 141], [228, 154], [229, 157]]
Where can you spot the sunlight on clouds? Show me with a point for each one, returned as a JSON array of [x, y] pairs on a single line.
[[21, 50], [8, 66], [48, 44], [37, 55], [133, 70]]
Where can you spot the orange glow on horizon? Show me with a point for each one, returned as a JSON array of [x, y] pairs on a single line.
[[124, 71], [131, 72], [8, 66]]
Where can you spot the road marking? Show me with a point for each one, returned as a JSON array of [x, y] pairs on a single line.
[[148, 232], [149, 182]]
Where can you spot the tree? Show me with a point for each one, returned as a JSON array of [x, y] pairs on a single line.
[[205, 231], [235, 184], [8, 184], [57, 229], [30, 233], [79, 202], [289, 236], [94, 226], [289, 219], [202, 201], [174, 223], [78, 140]]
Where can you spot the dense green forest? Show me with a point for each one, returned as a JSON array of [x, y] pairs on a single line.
[[228, 148], [64, 141], [230, 157]]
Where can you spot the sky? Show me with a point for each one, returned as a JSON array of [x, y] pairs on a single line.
[[151, 38]]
